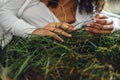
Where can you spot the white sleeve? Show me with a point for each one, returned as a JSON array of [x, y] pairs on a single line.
[[116, 24], [116, 20], [11, 23]]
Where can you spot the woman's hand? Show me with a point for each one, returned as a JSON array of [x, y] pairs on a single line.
[[101, 25], [53, 28]]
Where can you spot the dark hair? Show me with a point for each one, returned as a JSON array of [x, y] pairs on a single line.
[[84, 5], [53, 3]]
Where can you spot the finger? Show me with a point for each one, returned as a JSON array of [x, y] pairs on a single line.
[[62, 32], [52, 29], [103, 21], [101, 27], [71, 27], [100, 16], [66, 26], [50, 26], [108, 27], [96, 31], [45, 32], [94, 25], [54, 35]]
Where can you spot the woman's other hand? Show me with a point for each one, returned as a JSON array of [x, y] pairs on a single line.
[[101, 25], [53, 29]]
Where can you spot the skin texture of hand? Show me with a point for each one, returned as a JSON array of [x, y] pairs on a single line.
[[101, 25], [53, 29]]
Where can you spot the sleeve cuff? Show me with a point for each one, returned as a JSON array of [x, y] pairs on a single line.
[[22, 29]]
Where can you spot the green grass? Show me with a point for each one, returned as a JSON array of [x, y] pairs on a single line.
[[83, 57]]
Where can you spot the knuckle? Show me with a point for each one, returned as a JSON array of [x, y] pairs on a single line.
[[54, 35], [65, 33]]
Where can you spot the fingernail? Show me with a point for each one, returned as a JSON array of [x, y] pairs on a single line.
[[94, 20], [70, 35], [74, 29], [62, 40], [88, 24], [86, 29]]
